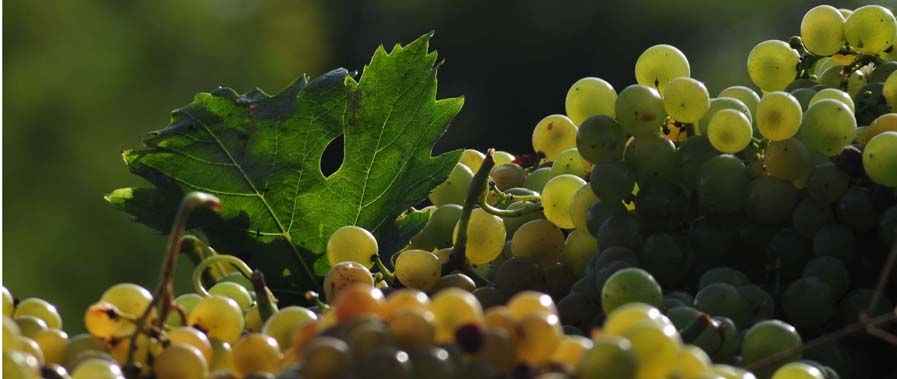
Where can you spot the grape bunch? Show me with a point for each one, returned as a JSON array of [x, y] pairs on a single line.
[[654, 233]]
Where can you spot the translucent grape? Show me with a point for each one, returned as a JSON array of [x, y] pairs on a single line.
[[52, 344], [797, 370], [624, 317], [655, 348], [508, 175], [442, 224], [884, 123], [828, 126], [870, 29], [778, 116], [747, 96], [692, 362], [834, 94], [186, 301], [609, 358], [104, 320], [485, 236], [234, 291], [821, 30], [540, 240], [589, 97], [358, 302], [600, 138], [570, 350], [526, 302], [630, 285], [218, 317], [96, 368], [583, 199], [659, 64], [729, 131], [651, 157], [686, 100], [418, 269], [568, 162], [537, 178], [718, 104], [502, 157], [640, 110], [255, 352], [472, 159], [129, 298], [772, 65], [454, 188], [552, 135], [556, 199], [536, 337], [9, 306], [41, 309], [767, 338], [352, 243], [579, 247], [180, 361], [880, 159]]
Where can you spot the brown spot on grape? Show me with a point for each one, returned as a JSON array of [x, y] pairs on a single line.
[[550, 125]]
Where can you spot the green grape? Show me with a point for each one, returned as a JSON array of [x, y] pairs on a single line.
[[831, 271], [568, 162], [600, 138], [621, 230], [797, 370], [787, 160], [663, 257], [759, 301], [570, 350], [9, 305], [609, 358], [651, 157], [778, 116], [433, 362], [96, 368], [722, 299], [501, 157], [686, 100], [731, 339], [655, 348], [589, 97], [51, 341], [827, 183], [41, 309], [536, 337], [889, 91], [628, 315], [79, 344], [601, 211], [20, 365], [523, 303], [722, 184], [808, 302], [834, 94], [234, 291], [824, 63], [283, 322], [731, 372], [693, 153], [556, 199], [579, 247], [130, 299], [870, 29], [540, 240], [454, 189], [473, 159], [353, 244], [630, 285], [857, 302], [729, 131], [180, 361], [821, 30], [809, 215], [612, 181], [255, 352], [835, 240], [692, 362], [552, 135], [747, 96], [828, 126], [190, 336], [512, 223], [219, 317], [442, 223], [722, 274], [454, 308], [485, 236], [30, 326], [803, 96], [718, 104], [508, 175], [662, 206], [880, 159], [640, 110], [772, 65], [326, 357], [770, 200], [582, 201], [658, 65], [418, 269], [537, 178], [887, 225], [412, 328], [767, 338], [884, 123]]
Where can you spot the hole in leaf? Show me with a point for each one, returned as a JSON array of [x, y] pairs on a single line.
[[333, 156]]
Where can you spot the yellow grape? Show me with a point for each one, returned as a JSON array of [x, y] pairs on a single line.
[[345, 274], [454, 189], [129, 298], [656, 348], [659, 64], [453, 308], [473, 159], [218, 317], [570, 162], [526, 302], [96, 368], [772, 65], [692, 362], [556, 197], [778, 116], [624, 317], [255, 352], [821, 30], [485, 236], [686, 100], [570, 350], [8, 302], [418, 269], [180, 361], [552, 135], [412, 328], [52, 344], [404, 298], [41, 309], [352, 243], [729, 131], [579, 247], [192, 337], [103, 320], [589, 97], [537, 336], [282, 324], [582, 200], [540, 240]]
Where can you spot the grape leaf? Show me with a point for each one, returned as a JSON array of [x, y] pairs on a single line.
[[261, 155]]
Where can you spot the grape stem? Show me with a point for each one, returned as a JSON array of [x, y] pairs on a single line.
[[478, 185], [263, 296], [164, 295], [388, 275]]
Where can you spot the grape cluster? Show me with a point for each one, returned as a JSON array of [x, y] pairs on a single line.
[[656, 233]]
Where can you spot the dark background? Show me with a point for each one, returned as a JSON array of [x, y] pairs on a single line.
[[83, 80]]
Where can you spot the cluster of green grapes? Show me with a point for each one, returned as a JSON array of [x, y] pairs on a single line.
[[658, 233]]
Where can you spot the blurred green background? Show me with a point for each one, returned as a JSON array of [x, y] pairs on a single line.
[[83, 80]]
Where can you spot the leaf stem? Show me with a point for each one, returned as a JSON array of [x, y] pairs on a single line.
[[164, 295]]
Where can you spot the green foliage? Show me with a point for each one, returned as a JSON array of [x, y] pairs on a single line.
[[261, 155]]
